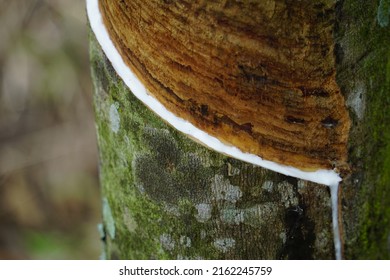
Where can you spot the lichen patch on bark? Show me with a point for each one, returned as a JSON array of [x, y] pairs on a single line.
[[173, 198]]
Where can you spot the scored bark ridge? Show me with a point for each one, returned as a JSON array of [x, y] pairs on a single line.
[[258, 75]]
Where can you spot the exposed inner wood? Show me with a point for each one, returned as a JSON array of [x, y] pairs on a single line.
[[258, 75]]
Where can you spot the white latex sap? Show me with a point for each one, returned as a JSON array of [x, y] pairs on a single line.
[[322, 176]]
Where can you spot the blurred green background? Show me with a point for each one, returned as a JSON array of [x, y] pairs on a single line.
[[49, 191]]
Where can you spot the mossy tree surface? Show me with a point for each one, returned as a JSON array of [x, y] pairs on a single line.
[[168, 197], [363, 55]]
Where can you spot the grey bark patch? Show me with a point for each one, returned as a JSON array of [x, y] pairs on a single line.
[[102, 233], [261, 214], [232, 216], [156, 181], [181, 257], [223, 190], [167, 174], [283, 237], [185, 241], [103, 256], [268, 186], [356, 101], [114, 118], [163, 146], [224, 244], [204, 212], [322, 241], [301, 185], [383, 13], [167, 242], [288, 196], [108, 219]]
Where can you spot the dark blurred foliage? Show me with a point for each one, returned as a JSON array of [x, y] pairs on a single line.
[[49, 194]]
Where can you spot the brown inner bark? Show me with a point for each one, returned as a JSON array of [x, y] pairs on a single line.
[[258, 75]]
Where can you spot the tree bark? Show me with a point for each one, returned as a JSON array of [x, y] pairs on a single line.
[[167, 197], [269, 91]]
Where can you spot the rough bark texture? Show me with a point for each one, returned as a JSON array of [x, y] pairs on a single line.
[[363, 56], [165, 196], [258, 75]]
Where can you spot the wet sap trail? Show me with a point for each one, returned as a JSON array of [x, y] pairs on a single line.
[[334, 189]]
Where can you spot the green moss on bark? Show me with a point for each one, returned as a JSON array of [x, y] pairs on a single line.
[[171, 198], [224, 209], [364, 75]]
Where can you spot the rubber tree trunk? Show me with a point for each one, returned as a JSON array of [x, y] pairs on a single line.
[[167, 197]]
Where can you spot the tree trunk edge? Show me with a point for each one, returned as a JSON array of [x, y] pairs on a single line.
[[365, 197], [363, 55], [226, 209]]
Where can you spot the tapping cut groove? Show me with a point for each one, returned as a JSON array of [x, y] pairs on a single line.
[[258, 75]]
